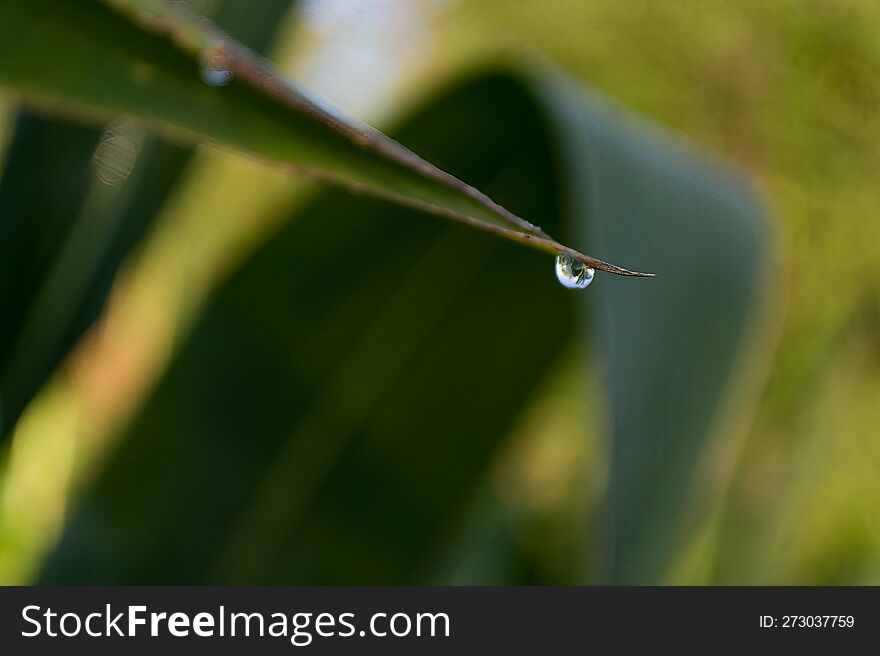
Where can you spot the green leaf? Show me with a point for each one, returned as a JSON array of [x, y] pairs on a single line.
[[51, 204], [143, 58], [670, 350], [29, 248], [334, 412]]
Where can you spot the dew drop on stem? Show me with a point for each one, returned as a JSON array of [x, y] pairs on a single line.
[[215, 69], [573, 273]]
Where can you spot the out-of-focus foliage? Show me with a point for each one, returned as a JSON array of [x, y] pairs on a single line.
[[70, 221], [789, 89], [333, 413]]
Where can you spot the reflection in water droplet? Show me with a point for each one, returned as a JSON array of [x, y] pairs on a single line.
[[215, 70], [115, 155], [573, 273]]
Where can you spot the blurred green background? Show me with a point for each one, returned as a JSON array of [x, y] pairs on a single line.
[[787, 89]]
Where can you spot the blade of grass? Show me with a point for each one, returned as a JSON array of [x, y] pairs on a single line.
[[143, 58]]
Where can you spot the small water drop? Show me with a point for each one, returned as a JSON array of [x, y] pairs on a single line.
[[115, 155], [215, 69], [573, 273]]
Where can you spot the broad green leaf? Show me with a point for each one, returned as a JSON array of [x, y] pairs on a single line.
[[147, 58], [332, 415], [60, 253], [669, 351]]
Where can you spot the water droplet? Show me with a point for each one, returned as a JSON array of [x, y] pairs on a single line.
[[573, 273], [215, 69], [115, 155]]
